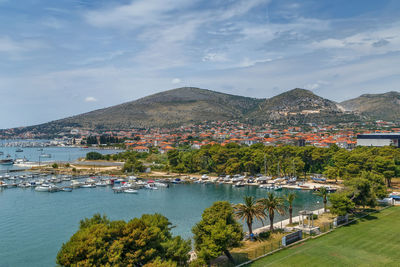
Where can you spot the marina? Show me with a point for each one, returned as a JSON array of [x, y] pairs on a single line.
[[42, 220]]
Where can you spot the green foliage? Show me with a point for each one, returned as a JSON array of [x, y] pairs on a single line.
[[367, 188], [341, 204], [145, 240], [334, 162], [272, 203], [264, 235], [323, 192], [250, 210], [217, 232], [55, 165], [94, 156]]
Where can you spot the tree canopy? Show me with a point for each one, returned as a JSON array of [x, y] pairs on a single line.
[[145, 240], [217, 232]]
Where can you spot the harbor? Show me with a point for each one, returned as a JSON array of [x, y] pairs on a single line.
[[42, 221]]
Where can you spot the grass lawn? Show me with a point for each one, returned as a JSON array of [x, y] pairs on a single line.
[[371, 241]]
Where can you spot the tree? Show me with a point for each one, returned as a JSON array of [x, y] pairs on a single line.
[[290, 198], [217, 232], [249, 210], [341, 204], [55, 165], [271, 204], [101, 242], [94, 156], [323, 192]]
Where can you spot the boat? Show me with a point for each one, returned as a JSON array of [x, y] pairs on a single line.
[[101, 183], [318, 179], [130, 191], [88, 186], [6, 161], [45, 155], [176, 181], [46, 188], [67, 189], [151, 186], [159, 184], [19, 150], [277, 187], [1, 153], [239, 184], [266, 186]]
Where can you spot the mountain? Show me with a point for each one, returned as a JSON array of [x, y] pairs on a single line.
[[376, 106], [299, 106], [169, 108], [190, 105]]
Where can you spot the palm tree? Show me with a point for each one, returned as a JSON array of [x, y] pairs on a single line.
[[271, 204], [290, 198], [322, 192], [249, 210]]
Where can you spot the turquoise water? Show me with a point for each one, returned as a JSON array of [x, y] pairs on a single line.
[[33, 225]]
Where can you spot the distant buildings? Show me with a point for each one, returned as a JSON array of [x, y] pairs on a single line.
[[379, 139]]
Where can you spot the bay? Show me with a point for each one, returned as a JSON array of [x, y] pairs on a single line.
[[34, 225]]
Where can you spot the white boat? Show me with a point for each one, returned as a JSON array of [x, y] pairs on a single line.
[[46, 188], [151, 186], [204, 177], [101, 184], [266, 186], [277, 187], [158, 184], [88, 186], [131, 191]]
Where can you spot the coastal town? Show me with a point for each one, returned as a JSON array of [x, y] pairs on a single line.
[[214, 132]]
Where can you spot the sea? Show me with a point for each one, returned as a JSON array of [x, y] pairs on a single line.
[[34, 225]]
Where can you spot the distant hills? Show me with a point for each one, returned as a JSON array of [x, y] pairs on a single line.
[[376, 106], [189, 105]]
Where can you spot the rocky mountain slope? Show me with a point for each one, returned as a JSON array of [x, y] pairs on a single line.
[[376, 106], [299, 106]]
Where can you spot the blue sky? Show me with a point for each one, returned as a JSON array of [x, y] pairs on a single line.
[[61, 58]]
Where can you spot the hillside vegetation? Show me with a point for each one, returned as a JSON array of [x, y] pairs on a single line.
[[376, 106]]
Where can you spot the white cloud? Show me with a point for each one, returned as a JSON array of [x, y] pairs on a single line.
[[8, 45], [176, 81], [90, 99]]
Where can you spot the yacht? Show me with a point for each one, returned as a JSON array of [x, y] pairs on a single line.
[[151, 186], [131, 191], [101, 183], [159, 184], [88, 186]]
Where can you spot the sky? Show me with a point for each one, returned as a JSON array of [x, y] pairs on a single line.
[[65, 57]]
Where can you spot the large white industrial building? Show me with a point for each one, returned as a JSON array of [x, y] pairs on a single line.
[[379, 139]]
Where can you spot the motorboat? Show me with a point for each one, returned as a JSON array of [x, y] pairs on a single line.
[[131, 191], [159, 184], [101, 183], [66, 189], [151, 186], [19, 150], [239, 184], [88, 185], [277, 187], [266, 186], [46, 188]]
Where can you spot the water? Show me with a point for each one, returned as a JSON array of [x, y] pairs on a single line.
[[33, 225], [58, 154]]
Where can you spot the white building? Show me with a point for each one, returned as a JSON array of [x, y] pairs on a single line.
[[379, 139]]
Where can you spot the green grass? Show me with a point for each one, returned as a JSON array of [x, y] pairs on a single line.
[[371, 241]]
